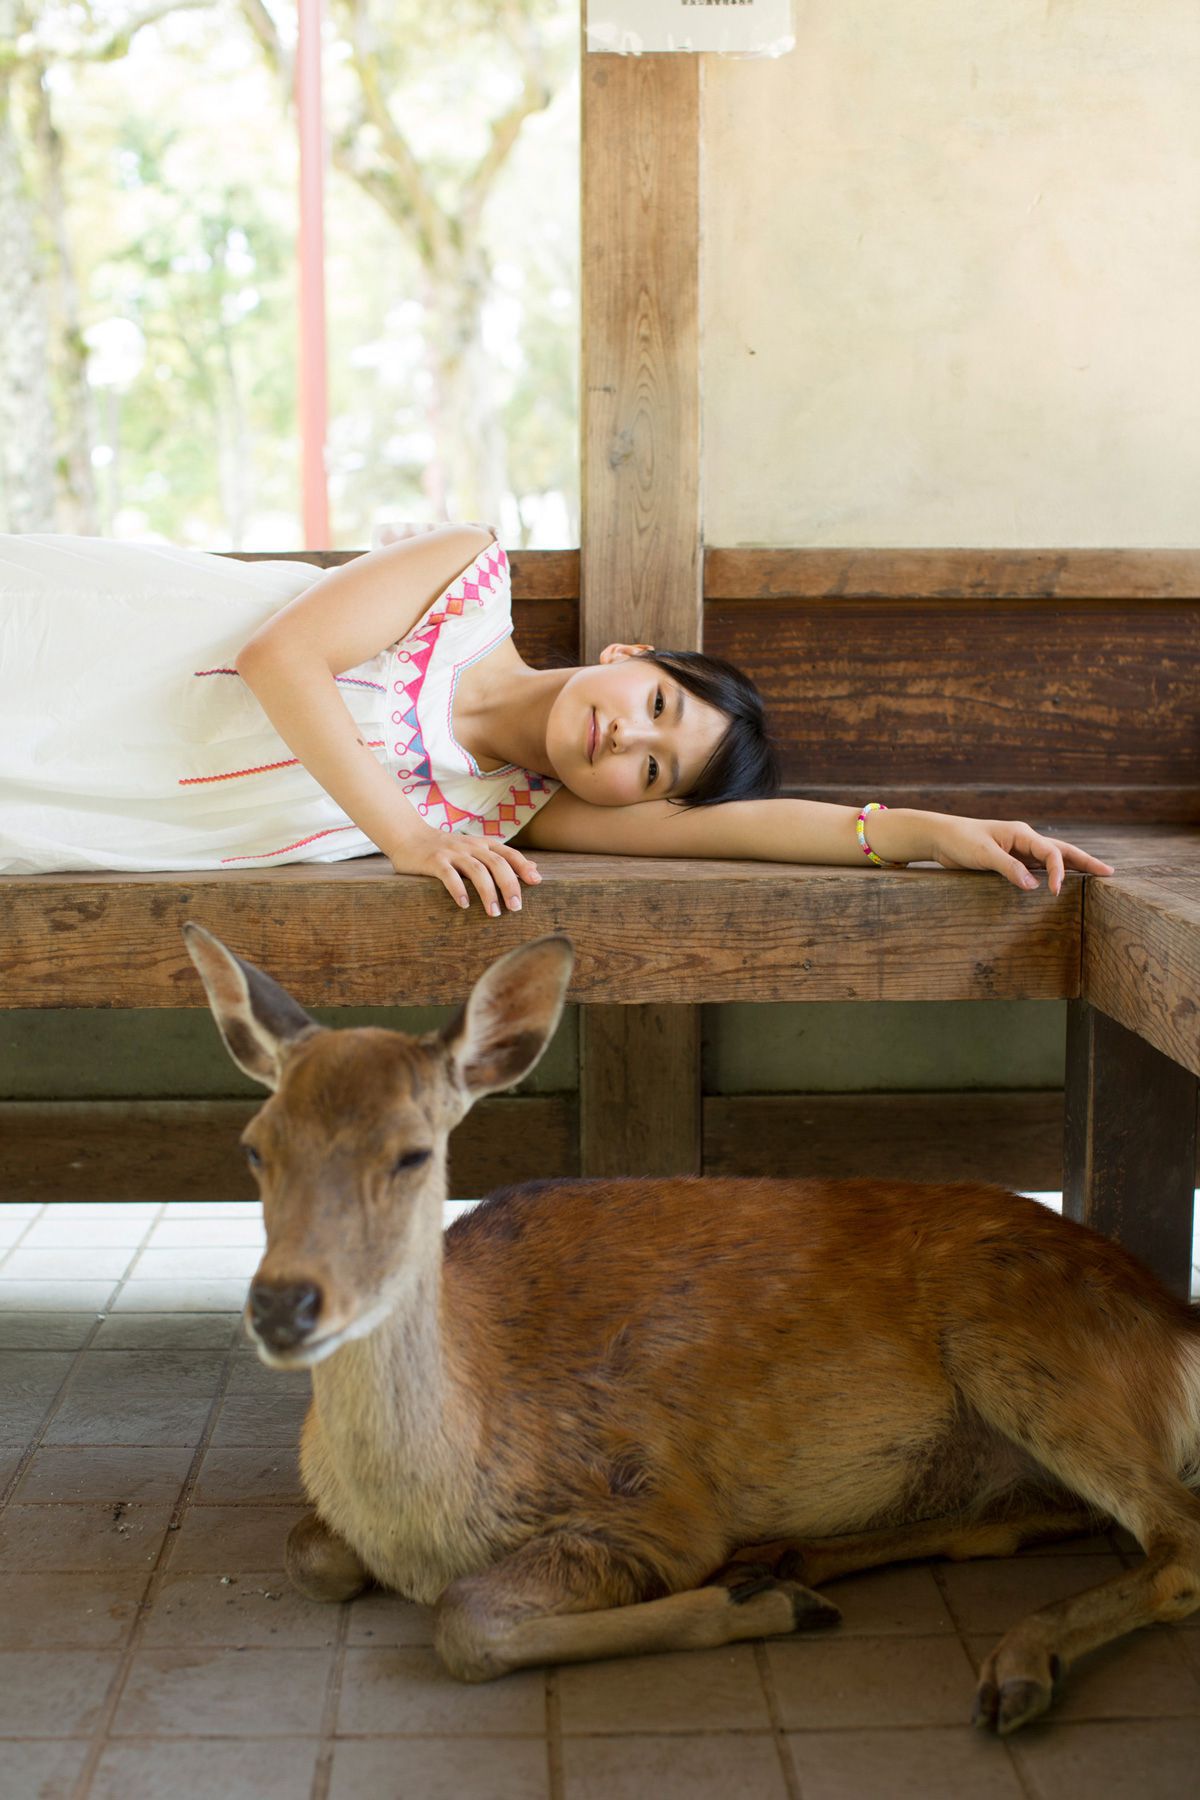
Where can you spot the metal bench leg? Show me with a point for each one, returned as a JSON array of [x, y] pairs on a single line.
[[1129, 1150], [639, 1090]]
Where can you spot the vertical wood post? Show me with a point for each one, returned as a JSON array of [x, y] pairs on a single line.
[[641, 556], [1129, 1149]]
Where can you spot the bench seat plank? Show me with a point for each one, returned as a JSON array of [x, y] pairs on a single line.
[[646, 931]]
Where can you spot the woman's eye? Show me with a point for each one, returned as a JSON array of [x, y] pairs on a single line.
[[652, 773], [659, 702]]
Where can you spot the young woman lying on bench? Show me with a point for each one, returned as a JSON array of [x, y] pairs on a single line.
[[171, 709]]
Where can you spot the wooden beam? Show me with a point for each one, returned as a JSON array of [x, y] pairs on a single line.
[[641, 560], [1129, 1147], [748, 574], [646, 931], [639, 1091], [84, 1150]]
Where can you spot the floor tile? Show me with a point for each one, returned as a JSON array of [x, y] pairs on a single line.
[[88, 1536], [46, 1330], [47, 1770], [992, 1595], [170, 1233], [55, 1296], [137, 1397], [212, 1209], [906, 1600], [270, 1476], [9, 1458], [204, 1262], [684, 1690], [206, 1770], [226, 1539], [951, 1761], [204, 1692], [1135, 1759], [78, 1224], [715, 1767], [193, 1295], [29, 1381], [832, 1682], [69, 1611], [1145, 1675], [440, 1769], [98, 1472], [56, 1262], [385, 1621], [260, 1420], [166, 1331], [392, 1691], [261, 1607], [52, 1693], [250, 1375]]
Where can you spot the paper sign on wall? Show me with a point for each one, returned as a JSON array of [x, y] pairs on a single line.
[[729, 27]]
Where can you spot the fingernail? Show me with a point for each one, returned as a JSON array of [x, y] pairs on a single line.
[[1030, 881], [514, 904], [463, 901], [494, 910]]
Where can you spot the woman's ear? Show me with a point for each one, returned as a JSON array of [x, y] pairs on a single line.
[[613, 653]]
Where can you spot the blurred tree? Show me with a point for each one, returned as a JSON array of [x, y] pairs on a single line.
[[505, 67]]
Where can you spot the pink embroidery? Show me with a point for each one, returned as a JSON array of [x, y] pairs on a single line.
[[345, 680], [287, 762], [298, 845]]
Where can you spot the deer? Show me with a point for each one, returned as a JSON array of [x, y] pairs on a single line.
[[600, 1418]]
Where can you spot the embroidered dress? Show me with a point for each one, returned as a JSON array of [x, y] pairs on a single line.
[[129, 741]]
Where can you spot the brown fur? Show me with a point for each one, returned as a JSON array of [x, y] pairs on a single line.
[[607, 1417]]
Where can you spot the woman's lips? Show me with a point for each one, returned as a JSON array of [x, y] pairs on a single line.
[[592, 735]]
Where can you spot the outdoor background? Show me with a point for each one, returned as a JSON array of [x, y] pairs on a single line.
[[149, 306]]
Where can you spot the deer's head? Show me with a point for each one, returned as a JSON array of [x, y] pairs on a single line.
[[349, 1152]]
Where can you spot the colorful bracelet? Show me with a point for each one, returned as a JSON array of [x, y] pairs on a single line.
[[860, 827]]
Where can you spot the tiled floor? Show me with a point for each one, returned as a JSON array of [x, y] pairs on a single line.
[[150, 1645]]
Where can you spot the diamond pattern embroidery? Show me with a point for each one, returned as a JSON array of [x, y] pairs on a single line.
[[412, 660]]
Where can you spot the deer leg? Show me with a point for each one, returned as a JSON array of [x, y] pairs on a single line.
[[562, 1599], [958, 1537], [1017, 1680], [321, 1564]]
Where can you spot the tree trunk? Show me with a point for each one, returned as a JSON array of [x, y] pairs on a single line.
[[27, 447]]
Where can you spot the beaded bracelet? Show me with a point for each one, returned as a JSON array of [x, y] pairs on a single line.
[[860, 827]]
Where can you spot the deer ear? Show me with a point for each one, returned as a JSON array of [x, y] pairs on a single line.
[[258, 1019], [511, 1015]]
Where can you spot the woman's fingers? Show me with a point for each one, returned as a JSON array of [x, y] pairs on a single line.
[[1055, 855], [494, 870]]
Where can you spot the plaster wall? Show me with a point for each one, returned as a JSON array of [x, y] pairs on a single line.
[[952, 277]]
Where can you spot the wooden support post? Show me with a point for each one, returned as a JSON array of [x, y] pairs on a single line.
[[641, 559], [639, 1090], [1129, 1148]]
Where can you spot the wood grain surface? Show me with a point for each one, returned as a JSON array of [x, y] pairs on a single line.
[[640, 423], [353, 933], [744, 573]]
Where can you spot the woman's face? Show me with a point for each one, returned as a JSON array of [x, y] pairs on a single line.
[[624, 730]]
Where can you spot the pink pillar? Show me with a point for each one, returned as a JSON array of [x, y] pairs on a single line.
[[314, 403]]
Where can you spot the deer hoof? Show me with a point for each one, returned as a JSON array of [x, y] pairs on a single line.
[[321, 1564]]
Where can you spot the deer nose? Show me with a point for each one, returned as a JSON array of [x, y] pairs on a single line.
[[284, 1313]]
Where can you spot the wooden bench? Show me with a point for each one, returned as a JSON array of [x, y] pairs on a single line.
[[1062, 687]]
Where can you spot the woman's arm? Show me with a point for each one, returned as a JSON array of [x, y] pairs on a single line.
[[346, 617], [803, 831]]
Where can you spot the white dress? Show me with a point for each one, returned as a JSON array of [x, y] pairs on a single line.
[[129, 741]]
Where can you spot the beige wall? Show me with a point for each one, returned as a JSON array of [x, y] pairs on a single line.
[[952, 277]]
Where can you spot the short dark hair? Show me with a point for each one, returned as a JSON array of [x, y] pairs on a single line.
[[745, 764]]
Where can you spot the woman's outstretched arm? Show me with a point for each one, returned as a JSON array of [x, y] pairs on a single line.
[[804, 831], [346, 617]]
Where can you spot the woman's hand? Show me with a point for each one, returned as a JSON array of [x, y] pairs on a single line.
[[1011, 849], [495, 870]]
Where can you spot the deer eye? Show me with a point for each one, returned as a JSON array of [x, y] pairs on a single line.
[[412, 1159], [252, 1156]]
